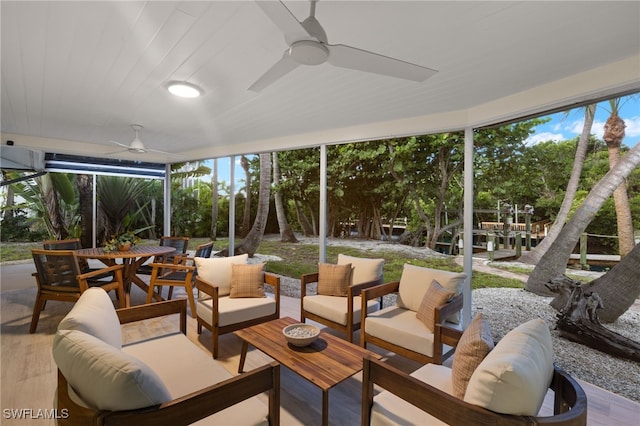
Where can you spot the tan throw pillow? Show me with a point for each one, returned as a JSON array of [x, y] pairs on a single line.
[[334, 280], [247, 280], [476, 342], [435, 296]]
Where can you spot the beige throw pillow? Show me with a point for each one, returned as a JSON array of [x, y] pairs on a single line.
[[435, 296], [476, 342], [334, 280], [247, 280]]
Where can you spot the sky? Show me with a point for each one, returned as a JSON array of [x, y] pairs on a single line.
[[562, 126], [567, 126]]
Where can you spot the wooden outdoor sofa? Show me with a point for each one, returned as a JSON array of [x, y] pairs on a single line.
[[506, 387], [164, 380]]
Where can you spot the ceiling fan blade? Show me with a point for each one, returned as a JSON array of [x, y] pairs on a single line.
[[120, 144], [362, 60], [168, 154], [284, 66], [285, 20]]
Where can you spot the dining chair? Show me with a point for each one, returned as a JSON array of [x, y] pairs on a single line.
[[180, 273], [74, 244], [179, 243], [59, 277], [340, 309]]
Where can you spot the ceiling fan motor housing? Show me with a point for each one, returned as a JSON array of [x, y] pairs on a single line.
[[308, 52]]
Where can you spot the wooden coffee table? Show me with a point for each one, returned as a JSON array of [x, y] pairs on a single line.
[[325, 363]]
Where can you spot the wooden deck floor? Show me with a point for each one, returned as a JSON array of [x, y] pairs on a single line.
[[28, 371]]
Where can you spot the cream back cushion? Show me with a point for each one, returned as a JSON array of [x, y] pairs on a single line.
[[94, 314], [514, 377], [105, 377], [415, 282], [217, 270], [364, 270]]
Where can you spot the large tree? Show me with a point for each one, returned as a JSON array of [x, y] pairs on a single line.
[[286, 233], [613, 135], [533, 256], [554, 261], [251, 242]]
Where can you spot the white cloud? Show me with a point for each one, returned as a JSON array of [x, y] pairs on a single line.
[[633, 128], [544, 137]]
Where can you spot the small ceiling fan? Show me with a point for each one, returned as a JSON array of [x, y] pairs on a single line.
[[137, 147], [308, 45]]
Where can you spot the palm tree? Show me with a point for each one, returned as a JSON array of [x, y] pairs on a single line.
[[251, 242], [116, 196], [554, 260], [85, 208], [286, 233], [246, 216], [533, 256], [613, 135]]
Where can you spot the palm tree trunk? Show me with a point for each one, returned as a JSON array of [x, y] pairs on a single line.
[[613, 135], [246, 216], [286, 233], [554, 260], [251, 242], [533, 257], [85, 201]]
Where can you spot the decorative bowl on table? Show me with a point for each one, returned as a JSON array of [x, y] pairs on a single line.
[[301, 334]]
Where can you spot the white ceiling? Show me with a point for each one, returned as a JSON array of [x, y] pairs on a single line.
[[75, 75]]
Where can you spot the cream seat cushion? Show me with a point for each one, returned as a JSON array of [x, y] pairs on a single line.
[[217, 270], [105, 377], [185, 368], [389, 410], [335, 308], [94, 314], [401, 327], [364, 269], [235, 310], [514, 377]]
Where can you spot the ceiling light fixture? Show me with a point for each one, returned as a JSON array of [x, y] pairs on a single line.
[[184, 89]]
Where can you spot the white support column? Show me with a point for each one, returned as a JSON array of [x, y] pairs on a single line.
[[322, 220], [167, 200], [468, 224], [232, 204]]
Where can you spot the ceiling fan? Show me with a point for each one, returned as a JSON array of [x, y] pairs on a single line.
[[308, 45], [137, 147]]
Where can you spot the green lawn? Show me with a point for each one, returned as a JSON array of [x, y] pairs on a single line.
[[298, 259]]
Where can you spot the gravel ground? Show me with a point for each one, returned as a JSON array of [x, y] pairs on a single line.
[[506, 308]]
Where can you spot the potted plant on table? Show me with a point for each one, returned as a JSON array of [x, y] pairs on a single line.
[[121, 242]]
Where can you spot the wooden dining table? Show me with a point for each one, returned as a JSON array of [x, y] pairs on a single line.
[[132, 259]]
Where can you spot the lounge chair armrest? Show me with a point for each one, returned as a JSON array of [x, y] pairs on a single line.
[[207, 287], [274, 281], [448, 335], [356, 289], [307, 279], [450, 308], [380, 290], [154, 310]]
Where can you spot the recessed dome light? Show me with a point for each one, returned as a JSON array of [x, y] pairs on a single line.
[[184, 89]]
